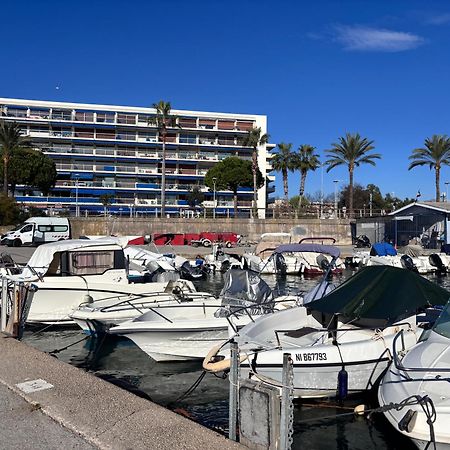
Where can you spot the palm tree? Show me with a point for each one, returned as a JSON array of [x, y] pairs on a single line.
[[435, 154], [106, 200], [305, 160], [351, 151], [11, 139], [254, 139], [163, 120], [283, 162]]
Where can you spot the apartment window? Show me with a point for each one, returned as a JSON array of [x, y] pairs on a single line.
[[226, 124], [149, 137], [17, 112], [105, 117], [108, 182], [186, 122], [188, 139], [61, 114], [39, 114], [125, 151], [38, 130], [83, 150], [244, 125], [105, 134], [206, 139], [104, 151], [129, 119], [226, 140], [124, 136], [170, 137], [144, 118], [61, 132], [84, 133], [83, 116], [207, 124], [60, 148]]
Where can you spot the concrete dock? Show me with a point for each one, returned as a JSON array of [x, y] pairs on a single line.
[[49, 404]]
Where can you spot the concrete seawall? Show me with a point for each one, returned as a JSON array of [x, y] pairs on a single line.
[[103, 414], [250, 228]]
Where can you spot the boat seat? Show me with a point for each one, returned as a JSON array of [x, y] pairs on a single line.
[[300, 332]]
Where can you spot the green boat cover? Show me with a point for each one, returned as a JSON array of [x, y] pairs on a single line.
[[380, 295]]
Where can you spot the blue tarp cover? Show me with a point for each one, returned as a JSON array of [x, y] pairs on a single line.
[[383, 249]]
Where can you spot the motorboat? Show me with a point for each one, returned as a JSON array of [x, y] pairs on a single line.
[[177, 332], [147, 266], [295, 259], [219, 261], [415, 391], [73, 272], [409, 257], [99, 316], [350, 329]]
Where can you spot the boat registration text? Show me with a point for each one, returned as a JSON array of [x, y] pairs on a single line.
[[299, 357]]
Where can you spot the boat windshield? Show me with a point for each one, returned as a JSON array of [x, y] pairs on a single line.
[[442, 325]]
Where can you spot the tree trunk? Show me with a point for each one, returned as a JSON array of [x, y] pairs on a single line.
[[438, 189], [302, 187], [235, 203], [255, 191], [285, 185], [5, 175], [350, 192], [163, 176]]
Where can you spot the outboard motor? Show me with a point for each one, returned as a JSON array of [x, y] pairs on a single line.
[[189, 272], [362, 241], [323, 262], [408, 263], [280, 264], [436, 261]]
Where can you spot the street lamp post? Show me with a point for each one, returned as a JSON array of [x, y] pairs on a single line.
[[370, 203], [77, 210], [446, 190], [214, 196], [336, 182]]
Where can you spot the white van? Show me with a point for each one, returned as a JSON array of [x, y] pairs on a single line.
[[38, 230]]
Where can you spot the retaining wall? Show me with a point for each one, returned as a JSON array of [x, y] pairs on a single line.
[[250, 228]]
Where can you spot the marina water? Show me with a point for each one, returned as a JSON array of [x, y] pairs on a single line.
[[317, 424]]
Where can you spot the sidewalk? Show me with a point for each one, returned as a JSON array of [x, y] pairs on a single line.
[[92, 412]]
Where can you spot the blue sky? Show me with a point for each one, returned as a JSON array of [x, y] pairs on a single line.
[[316, 69]]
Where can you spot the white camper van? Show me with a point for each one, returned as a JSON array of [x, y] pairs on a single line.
[[38, 230]]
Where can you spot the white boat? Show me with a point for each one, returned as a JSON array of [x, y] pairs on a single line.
[[145, 265], [175, 332], [73, 272], [220, 261], [409, 257], [294, 259], [419, 387], [351, 328], [100, 315]]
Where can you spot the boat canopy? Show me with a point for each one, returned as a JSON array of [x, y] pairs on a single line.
[[243, 288], [315, 248], [383, 249], [43, 255], [380, 296]]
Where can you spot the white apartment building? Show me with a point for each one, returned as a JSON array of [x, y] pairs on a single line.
[[114, 150]]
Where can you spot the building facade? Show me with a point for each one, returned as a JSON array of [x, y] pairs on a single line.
[[115, 151]]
